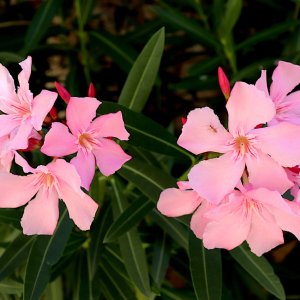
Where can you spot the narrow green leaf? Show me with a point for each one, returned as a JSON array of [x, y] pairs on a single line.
[[131, 245], [9, 286], [116, 48], [161, 257], [206, 270], [45, 252], [177, 231], [181, 22], [130, 217], [260, 269], [151, 181], [10, 57], [142, 76], [98, 231], [15, 255], [40, 23], [54, 290], [11, 216], [146, 133]]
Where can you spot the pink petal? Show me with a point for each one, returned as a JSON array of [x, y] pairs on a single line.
[[17, 190], [85, 165], [65, 173], [174, 202], [247, 107], [59, 141], [23, 163], [110, 157], [41, 105], [7, 124], [80, 113], [26, 67], [203, 132], [285, 78], [109, 125], [24, 94], [183, 185], [229, 230], [264, 233], [214, 178], [261, 83], [199, 219], [81, 207], [281, 142], [36, 222], [264, 171], [20, 138]]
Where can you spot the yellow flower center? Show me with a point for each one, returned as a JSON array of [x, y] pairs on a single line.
[[86, 141]]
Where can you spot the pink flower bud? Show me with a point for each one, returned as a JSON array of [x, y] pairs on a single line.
[[63, 92], [91, 91], [224, 83], [183, 120]]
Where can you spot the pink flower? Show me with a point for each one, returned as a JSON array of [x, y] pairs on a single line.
[[57, 180], [89, 138], [285, 78], [255, 215], [262, 150], [23, 112]]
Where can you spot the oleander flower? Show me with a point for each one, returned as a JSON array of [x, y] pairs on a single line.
[[23, 112], [47, 184], [264, 151], [90, 137]]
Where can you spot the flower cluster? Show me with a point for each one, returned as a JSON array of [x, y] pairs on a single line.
[[238, 195], [90, 137]]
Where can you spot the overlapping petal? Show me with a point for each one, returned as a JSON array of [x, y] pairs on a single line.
[[203, 132]]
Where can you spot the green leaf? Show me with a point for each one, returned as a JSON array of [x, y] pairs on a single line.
[[130, 217], [206, 270], [40, 23], [146, 133], [161, 257], [131, 245], [116, 48], [45, 252], [54, 290], [173, 227], [192, 28], [9, 286], [151, 181], [15, 255], [98, 231], [260, 269], [10, 57], [142, 76], [11, 216]]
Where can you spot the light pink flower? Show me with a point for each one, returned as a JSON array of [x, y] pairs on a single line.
[[262, 150], [255, 215], [285, 78], [57, 180], [89, 138], [23, 112]]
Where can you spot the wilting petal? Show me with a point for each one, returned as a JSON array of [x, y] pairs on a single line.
[[285, 78], [247, 107], [7, 124], [174, 202], [109, 125], [41, 214], [214, 178], [16, 190], [229, 230], [59, 141], [80, 113], [264, 171], [281, 142], [85, 165], [65, 173], [199, 219], [203, 132], [41, 105], [110, 157], [20, 139], [261, 83], [264, 233], [81, 207]]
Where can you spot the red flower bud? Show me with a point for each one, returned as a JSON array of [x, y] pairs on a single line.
[[224, 83], [63, 92]]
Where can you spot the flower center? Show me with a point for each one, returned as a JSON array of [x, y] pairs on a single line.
[[242, 144], [86, 141], [47, 179]]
